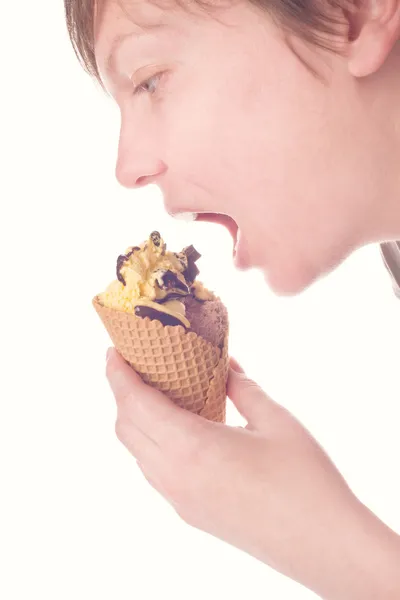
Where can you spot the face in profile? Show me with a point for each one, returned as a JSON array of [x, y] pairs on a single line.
[[227, 117]]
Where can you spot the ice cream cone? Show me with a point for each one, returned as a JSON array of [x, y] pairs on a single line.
[[188, 369]]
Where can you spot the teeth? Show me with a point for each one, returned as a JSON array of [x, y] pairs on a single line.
[[186, 216]]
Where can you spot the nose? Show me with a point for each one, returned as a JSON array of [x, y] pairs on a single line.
[[139, 172], [137, 164]]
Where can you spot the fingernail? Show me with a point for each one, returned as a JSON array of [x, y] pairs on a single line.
[[235, 366], [109, 353]]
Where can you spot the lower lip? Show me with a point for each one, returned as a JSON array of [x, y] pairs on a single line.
[[241, 257]]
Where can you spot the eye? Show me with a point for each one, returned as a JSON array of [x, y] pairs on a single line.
[[149, 85]]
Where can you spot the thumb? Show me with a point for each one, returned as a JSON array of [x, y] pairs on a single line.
[[249, 399]]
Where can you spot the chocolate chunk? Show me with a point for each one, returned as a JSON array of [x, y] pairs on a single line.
[[155, 238], [192, 253], [122, 258], [153, 314], [191, 272]]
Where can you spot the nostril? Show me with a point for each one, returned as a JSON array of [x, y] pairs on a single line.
[[140, 181], [130, 174], [148, 179]]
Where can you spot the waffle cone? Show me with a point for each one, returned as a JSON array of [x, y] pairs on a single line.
[[181, 364]]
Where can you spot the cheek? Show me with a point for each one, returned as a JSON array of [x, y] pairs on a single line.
[[200, 139], [235, 127], [212, 144], [272, 152]]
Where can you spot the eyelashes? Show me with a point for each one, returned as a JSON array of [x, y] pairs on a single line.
[[150, 85]]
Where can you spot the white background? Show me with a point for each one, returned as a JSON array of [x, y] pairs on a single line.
[[77, 519]]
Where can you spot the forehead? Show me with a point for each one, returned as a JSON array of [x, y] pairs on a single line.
[[116, 19], [117, 14]]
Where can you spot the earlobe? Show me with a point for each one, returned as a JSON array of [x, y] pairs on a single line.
[[376, 24]]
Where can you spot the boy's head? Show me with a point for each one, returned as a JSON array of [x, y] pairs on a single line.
[[283, 114]]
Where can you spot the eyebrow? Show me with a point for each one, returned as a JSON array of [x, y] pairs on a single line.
[[119, 39], [116, 43]]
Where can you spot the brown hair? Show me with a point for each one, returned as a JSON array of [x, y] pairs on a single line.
[[314, 21]]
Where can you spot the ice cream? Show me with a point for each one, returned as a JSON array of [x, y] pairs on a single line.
[[154, 282], [168, 326]]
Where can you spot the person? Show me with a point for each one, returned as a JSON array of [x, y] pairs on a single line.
[[281, 119]]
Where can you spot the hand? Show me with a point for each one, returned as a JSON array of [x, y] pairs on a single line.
[[268, 488]]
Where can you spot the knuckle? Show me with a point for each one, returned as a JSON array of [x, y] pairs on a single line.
[[251, 386], [125, 401], [120, 429]]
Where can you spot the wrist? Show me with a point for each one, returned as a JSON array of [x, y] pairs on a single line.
[[367, 561]]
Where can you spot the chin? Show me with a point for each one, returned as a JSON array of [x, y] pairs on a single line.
[[289, 282]]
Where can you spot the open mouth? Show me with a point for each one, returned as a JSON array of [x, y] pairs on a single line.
[[220, 219], [224, 220]]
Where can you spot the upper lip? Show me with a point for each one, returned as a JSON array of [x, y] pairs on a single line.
[[177, 211]]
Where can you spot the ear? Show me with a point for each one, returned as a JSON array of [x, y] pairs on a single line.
[[374, 28]]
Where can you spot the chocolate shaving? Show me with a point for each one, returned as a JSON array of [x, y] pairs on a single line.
[[153, 314], [170, 296], [122, 258], [172, 282], [120, 263], [173, 287]]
